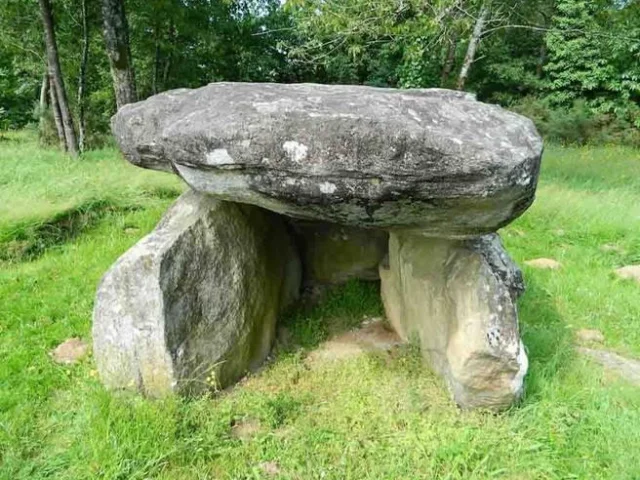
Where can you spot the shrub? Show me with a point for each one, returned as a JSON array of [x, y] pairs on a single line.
[[579, 124]]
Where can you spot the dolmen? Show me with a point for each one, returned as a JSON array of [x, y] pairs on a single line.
[[295, 185]]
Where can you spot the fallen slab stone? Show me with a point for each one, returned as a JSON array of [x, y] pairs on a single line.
[[70, 351], [271, 469], [432, 160], [630, 272], [246, 428], [457, 299], [544, 263], [627, 368], [372, 336], [193, 305], [608, 247]]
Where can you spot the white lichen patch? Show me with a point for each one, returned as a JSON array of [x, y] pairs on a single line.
[[414, 115], [327, 187], [278, 106], [333, 115], [219, 156], [524, 178], [523, 364], [246, 143], [295, 151]]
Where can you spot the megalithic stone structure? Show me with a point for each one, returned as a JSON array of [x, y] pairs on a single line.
[[307, 183]]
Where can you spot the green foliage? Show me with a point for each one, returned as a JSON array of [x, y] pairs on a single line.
[[557, 52], [39, 186], [592, 56], [577, 124]]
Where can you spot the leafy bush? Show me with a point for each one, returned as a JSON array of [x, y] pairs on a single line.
[[579, 124]]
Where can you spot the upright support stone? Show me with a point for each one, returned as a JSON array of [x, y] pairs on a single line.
[[458, 300], [193, 305], [333, 254]]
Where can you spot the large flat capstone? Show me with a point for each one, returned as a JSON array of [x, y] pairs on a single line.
[[430, 160]]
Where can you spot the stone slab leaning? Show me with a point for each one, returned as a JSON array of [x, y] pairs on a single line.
[[193, 305]]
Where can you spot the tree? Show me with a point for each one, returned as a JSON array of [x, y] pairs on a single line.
[[82, 80], [478, 30], [116, 37], [55, 111], [539, 56], [57, 80]]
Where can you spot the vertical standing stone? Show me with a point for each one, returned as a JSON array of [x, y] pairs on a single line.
[[194, 304], [458, 300], [333, 254]]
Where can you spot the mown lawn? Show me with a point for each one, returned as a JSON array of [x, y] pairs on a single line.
[[377, 416]]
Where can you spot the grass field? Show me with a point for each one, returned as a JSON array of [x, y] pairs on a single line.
[[377, 416]]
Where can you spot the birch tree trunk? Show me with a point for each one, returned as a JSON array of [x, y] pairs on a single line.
[[44, 100], [57, 81], [57, 118], [116, 38], [82, 81], [478, 29], [156, 67]]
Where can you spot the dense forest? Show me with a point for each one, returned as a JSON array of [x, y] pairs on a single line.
[[571, 65]]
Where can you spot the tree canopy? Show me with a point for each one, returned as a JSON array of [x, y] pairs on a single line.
[[570, 64]]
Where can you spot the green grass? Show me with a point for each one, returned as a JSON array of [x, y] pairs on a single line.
[[377, 416], [46, 197]]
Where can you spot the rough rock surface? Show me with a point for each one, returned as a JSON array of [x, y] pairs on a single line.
[[432, 160], [630, 272], [589, 335], [373, 335], [194, 304], [544, 263], [627, 368], [333, 254], [457, 299], [70, 351]]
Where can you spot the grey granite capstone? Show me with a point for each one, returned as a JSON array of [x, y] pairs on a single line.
[[432, 160]]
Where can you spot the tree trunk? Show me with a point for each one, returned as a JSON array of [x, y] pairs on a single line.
[[57, 118], [167, 61], [82, 81], [156, 67], [449, 60], [478, 29], [165, 75], [542, 58], [116, 37], [44, 100], [56, 77]]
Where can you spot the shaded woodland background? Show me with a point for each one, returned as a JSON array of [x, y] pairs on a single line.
[[571, 65]]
